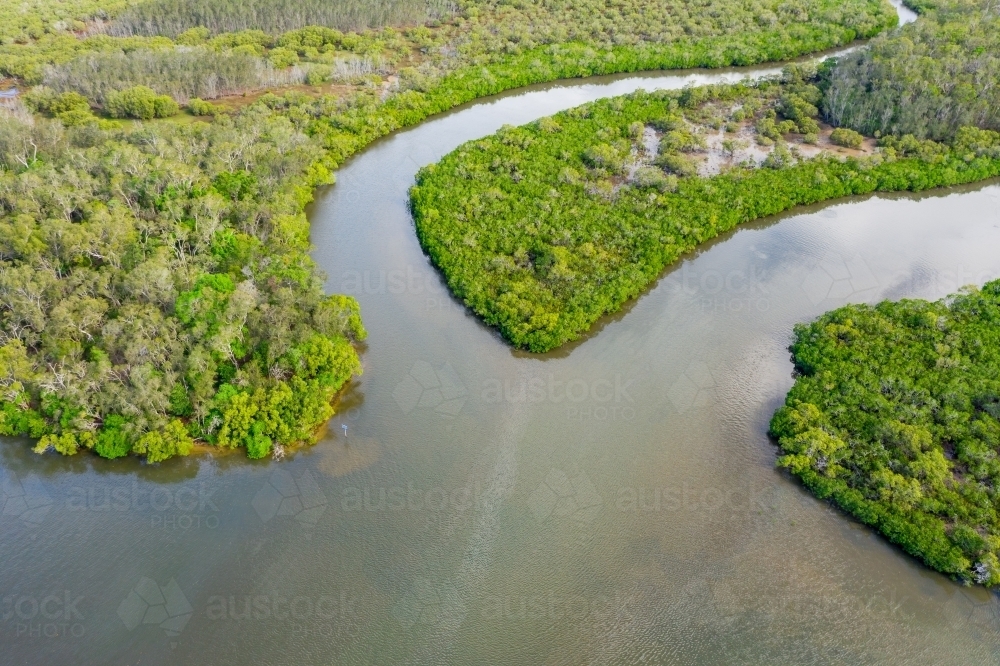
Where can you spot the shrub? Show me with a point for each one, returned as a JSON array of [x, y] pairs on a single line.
[[549, 125], [653, 178], [158, 445], [141, 103], [193, 36], [779, 158], [45, 100], [603, 156], [164, 106], [847, 138], [76, 117], [678, 164], [199, 107], [318, 75], [282, 57]]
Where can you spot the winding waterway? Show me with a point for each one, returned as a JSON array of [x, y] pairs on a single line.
[[614, 502]]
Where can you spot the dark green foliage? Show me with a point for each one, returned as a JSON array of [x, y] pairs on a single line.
[[927, 79], [894, 417], [533, 231]]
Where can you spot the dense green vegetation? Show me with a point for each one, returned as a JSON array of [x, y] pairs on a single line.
[[544, 228], [172, 17], [538, 39], [927, 79], [894, 417], [24, 20], [155, 286], [194, 72], [503, 26]]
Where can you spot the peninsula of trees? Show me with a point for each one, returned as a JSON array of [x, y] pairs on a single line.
[[543, 229]]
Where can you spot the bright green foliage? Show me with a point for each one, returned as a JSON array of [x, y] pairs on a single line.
[[158, 445], [535, 231], [31, 62], [285, 411], [139, 102], [847, 138], [894, 417], [199, 107], [282, 57], [24, 20], [928, 79], [146, 280], [113, 439], [45, 100], [71, 108]]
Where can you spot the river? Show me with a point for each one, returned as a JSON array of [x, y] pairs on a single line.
[[614, 502]]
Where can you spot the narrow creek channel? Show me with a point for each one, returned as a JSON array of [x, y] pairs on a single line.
[[614, 502]]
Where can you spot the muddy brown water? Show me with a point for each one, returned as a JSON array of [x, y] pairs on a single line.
[[614, 502]]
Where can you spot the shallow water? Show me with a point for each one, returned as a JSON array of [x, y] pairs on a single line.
[[613, 502]]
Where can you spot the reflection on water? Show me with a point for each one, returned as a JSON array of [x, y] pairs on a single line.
[[614, 502]]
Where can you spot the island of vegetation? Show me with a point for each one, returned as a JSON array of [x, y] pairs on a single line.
[[543, 229], [895, 411], [156, 288], [895, 417]]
